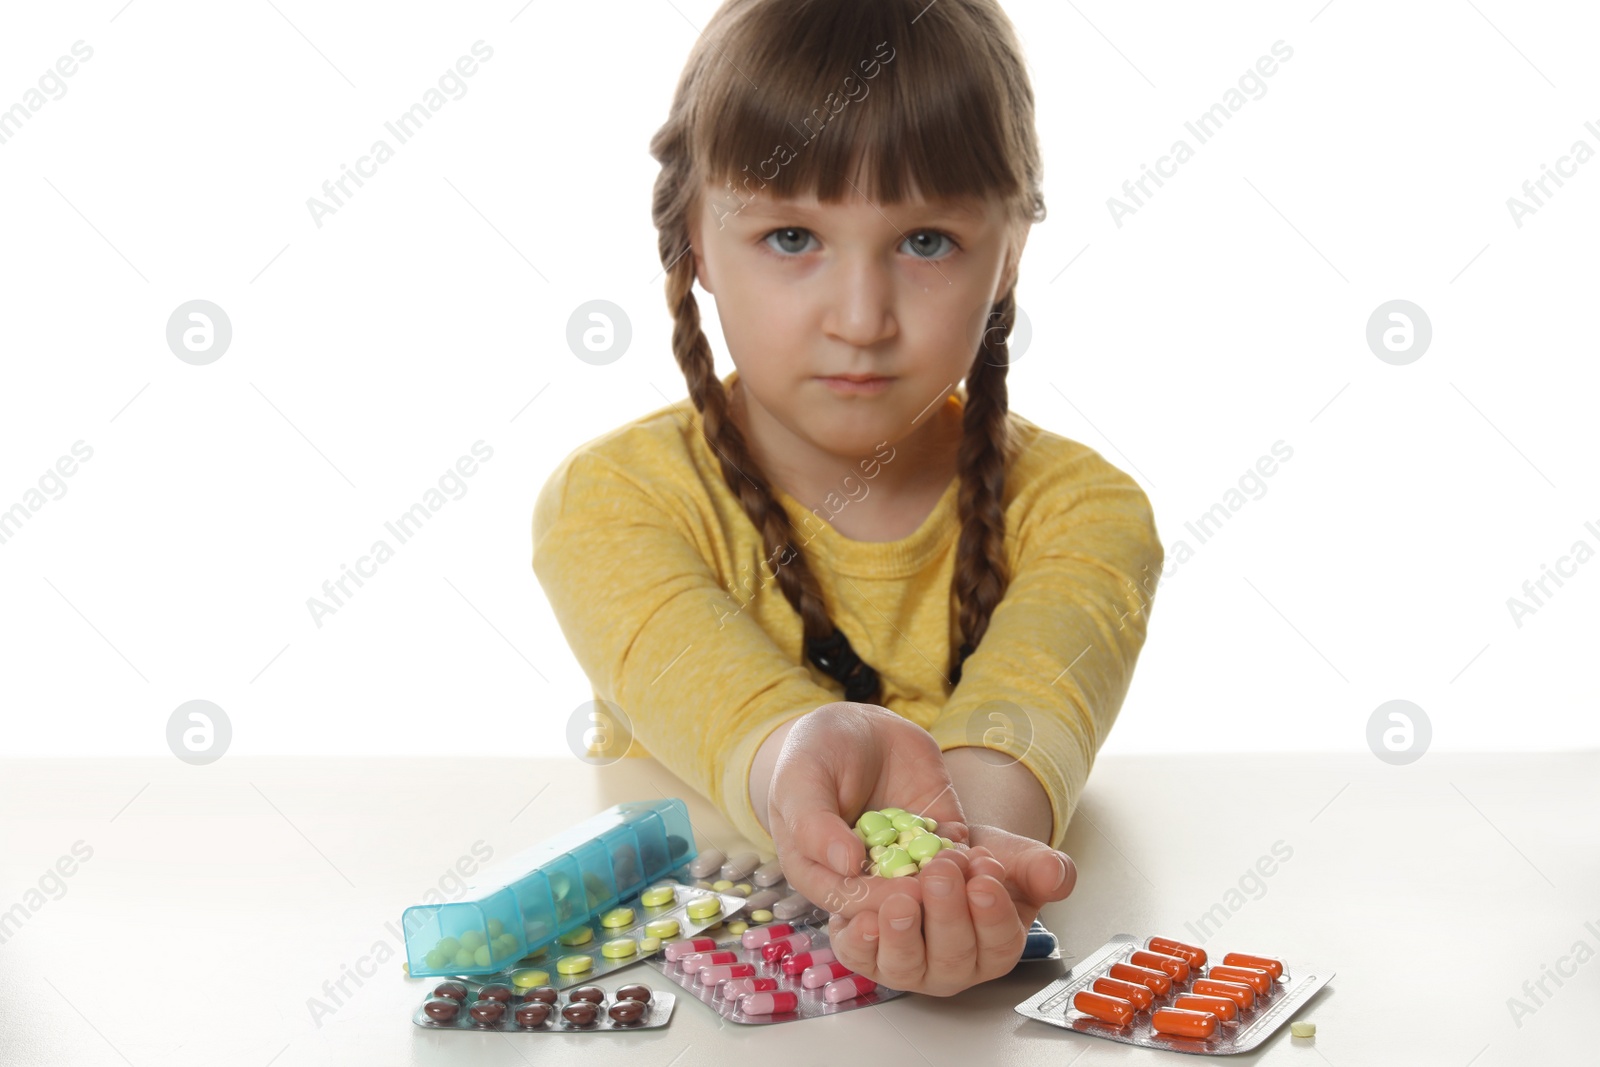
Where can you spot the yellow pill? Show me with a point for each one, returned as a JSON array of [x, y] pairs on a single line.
[[574, 964], [581, 936], [1299, 1029], [713, 928], [662, 928], [527, 978], [617, 917], [761, 915], [704, 908], [648, 945], [744, 889], [738, 927], [621, 948], [722, 885], [660, 896], [702, 884]]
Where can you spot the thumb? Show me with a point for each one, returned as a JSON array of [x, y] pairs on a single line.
[[1047, 874]]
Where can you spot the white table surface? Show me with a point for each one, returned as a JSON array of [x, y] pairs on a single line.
[[218, 900]]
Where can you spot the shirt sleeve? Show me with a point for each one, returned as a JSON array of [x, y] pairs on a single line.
[[701, 684], [1047, 680]]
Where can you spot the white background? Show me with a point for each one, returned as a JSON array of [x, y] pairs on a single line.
[[430, 312]]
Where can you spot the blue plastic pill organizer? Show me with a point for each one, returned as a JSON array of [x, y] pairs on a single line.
[[525, 903]]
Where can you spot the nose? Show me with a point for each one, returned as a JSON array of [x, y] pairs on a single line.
[[861, 311]]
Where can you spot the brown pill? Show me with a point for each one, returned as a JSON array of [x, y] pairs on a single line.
[[502, 993], [534, 1014], [580, 1014], [627, 1012], [641, 993], [454, 990], [592, 994], [543, 993], [487, 1011], [441, 1009]]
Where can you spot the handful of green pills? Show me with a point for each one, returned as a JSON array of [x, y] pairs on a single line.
[[898, 842]]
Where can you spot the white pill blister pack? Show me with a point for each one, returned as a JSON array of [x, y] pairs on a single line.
[[1148, 992]]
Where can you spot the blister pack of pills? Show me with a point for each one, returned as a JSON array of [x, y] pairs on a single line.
[[471, 1005], [761, 882], [1164, 994], [776, 973], [622, 936]]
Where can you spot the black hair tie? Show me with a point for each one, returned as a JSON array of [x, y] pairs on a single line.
[[834, 657]]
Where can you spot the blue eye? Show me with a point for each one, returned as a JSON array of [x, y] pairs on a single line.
[[800, 236]]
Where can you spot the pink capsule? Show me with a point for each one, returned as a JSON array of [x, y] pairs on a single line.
[[679, 949], [691, 964], [848, 987], [775, 1003], [735, 988], [780, 947], [798, 962], [821, 974], [757, 936], [723, 972]]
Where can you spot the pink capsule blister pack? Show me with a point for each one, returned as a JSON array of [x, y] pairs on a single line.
[[1163, 994], [777, 973]]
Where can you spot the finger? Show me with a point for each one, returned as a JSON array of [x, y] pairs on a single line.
[[951, 941], [1047, 875], [825, 860], [901, 954], [986, 865], [855, 943], [1000, 933]]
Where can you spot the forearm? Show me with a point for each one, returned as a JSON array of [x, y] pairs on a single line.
[[995, 790], [766, 762]]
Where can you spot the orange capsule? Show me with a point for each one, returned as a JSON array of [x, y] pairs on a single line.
[[1194, 957], [1237, 992], [1158, 983], [1266, 963], [1171, 966], [1221, 1007], [1183, 1023], [1111, 1010], [1254, 977], [1137, 995]]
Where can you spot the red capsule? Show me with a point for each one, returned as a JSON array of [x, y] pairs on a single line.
[[1171, 966], [735, 988], [677, 950], [1111, 1010], [1158, 983], [1137, 995], [797, 963], [757, 936], [1183, 1023], [819, 975], [1266, 963], [778, 1002], [724, 971], [701, 960], [1194, 957], [780, 947], [1237, 992], [1254, 977], [1221, 1007]]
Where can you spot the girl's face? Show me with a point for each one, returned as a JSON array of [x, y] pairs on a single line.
[[806, 291]]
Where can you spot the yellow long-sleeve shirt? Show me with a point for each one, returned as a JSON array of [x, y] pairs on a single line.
[[661, 587]]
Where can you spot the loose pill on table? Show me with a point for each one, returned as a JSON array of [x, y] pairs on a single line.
[[660, 896], [574, 964], [527, 978], [1300, 1029], [619, 949], [768, 874], [798, 962], [679, 949], [724, 971], [1159, 983], [581, 936], [1195, 957], [819, 975], [734, 988], [761, 915], [722, 885], [617, 917], [1107, 1009], [648, 945], [662, 928], [738, 928], [740, 865], [1171, 966], [701, 960], [1183, 1023], [757, 936], [1237, 992], [1254, 977], [706, 862], [848, 987], [704, 907], [743, 889], [1221, 1007], [777, 1002], [1137, 995], [1265, 963]]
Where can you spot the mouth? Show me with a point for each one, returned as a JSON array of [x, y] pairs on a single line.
[[856, 384]]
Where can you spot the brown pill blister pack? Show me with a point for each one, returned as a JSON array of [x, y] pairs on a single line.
[[462, 1005], [1255, 1018]]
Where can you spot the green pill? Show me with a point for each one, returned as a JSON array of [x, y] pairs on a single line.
[[905, 821], [925, 847], [464, 957], [891, 812], [449, 946], [887, 836], [893, 859], [872, 822], [473, 940], [496, 928], [434, 959], [480, 956]]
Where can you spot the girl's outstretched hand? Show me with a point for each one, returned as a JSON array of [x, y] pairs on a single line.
[[838, 761], [966, 924]]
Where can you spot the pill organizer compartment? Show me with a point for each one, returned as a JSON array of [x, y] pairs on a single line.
[[524, 903]]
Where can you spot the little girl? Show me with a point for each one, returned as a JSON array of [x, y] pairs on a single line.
[[838, 578]]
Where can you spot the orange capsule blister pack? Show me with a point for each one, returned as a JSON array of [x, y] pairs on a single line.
[[1161, 993]]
